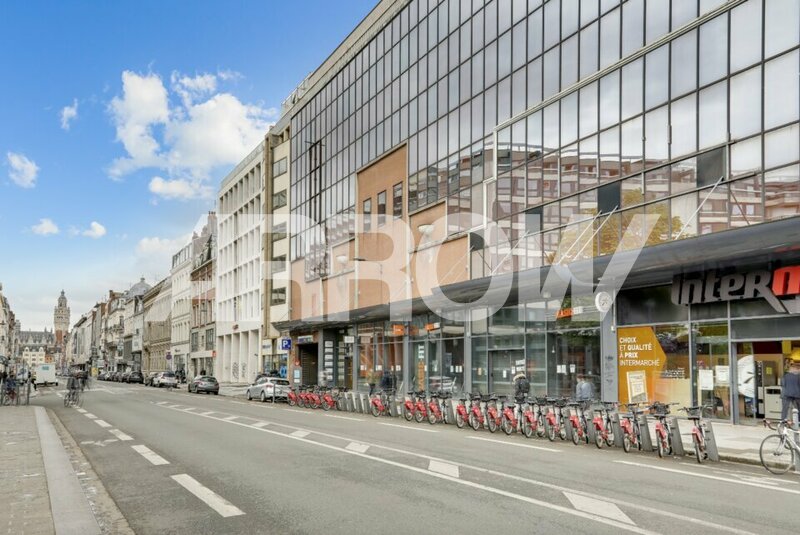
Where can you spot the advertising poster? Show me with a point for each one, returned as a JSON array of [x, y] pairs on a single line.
[[653, 366]]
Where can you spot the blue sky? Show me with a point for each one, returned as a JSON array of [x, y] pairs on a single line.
[[119, 119]]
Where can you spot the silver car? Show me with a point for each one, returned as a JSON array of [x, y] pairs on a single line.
[[165, 379], [266, 387]]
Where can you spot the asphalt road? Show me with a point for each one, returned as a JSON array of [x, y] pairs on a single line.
[[186, 463]]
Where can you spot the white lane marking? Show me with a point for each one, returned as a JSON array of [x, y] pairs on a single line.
[[120, 435], [500, 492], [150, 455], [522, 479], [102, 423], [211, 498], [90, 415], [357, 446], [209, 413], [409, 427], [298, 411], [161, 402], [300, 434], [514, 444], [239, 402], [261, 424], [598, 507], [345, 418], [82, 411], [189, 409], [707, 476], [230, 417], [445, 468]]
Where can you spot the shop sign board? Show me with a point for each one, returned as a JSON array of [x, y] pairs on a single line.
[[641, 362], [286, 344], [709, 287], [305, 339]]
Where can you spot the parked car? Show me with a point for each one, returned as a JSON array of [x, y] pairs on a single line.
[[101, 376], [268, 387], [204, 383], [135, 377], [124, 377], [148, 381], [165, 379]]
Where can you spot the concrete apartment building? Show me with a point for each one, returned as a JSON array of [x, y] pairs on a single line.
[[203, 279], [180, 275], [580, 135], [134, 325], [276, 242], [238, 288]]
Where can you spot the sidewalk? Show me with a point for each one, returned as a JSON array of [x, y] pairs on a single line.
[[41, 493], [233, 390]]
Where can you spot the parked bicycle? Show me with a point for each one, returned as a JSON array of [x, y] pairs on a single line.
[[461, 411], [663, 428], [532, 419], [695, 415], [603, 426], [380, 404], [777, 452], [509, 420], [554, 419], [476, 414], [577, 419], [631, 432]]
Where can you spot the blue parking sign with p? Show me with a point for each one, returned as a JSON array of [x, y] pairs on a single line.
[[286, 344]]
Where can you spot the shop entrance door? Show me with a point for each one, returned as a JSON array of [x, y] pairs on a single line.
[[309, 363], [501, 366], [759, 368]]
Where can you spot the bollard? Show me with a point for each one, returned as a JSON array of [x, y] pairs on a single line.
[[617, 429], [449, 406], [677, 441], [566, 424], [796, 428], [711, 442], [590, 430], [644, 431]]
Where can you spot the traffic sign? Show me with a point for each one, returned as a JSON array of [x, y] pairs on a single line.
[[286, 344]]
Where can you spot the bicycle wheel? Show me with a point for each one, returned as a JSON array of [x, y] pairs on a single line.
[[663, 449], [527, 427], [609, 431], [375, 410], [576, 438], [326, 406], [598, 439], [419, 416], [431, 417], [408, 414], [699, 451], [626, 442], [474, 422], [777, 455], [507, 426], [492, 424], [551, 432], [460, 420], [540, 427]]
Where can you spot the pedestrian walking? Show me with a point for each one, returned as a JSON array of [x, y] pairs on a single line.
[[584, 390], [790, 391]]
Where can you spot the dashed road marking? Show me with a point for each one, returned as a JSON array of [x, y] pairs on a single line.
[[120, 435], [261, 424], [598, 507], [345, 418], [82, 411], [300, 434], [443, 468], [357, 446], [102, 423], [150, 455], [211, 498], [208, 413], [409, 427], [514, 444], [230, 417], [90, 416]]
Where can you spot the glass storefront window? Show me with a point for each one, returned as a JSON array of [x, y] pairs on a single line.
[[572, 353], [712, 363], [655, 364]]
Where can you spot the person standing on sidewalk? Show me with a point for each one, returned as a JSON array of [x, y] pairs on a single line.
[[790, 391]]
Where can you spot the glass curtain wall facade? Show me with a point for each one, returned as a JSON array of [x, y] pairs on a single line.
[[561, 119]]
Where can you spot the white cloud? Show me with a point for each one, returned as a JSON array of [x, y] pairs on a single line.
[[68, 113], [179, 188], [143, 105], [45, 227], [229, 75], [23, 170], [95, 230], [187, 132]]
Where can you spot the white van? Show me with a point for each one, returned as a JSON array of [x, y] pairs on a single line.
[[46, 374]]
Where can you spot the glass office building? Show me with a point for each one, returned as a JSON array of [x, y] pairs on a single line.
[[561, 122]]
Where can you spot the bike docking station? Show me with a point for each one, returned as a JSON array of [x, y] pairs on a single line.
[[616, 428], [796, 429], [364, 402], [712, 452], [449, 406], [677, 442], [646, 443], [349, 404]]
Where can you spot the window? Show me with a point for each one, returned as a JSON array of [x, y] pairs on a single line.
[[366, 212], [278, 232], [194, 341], [279, 264], [279, 199], [382, 208], [209, 339], [278, 296], [397, 200], [279, 167]]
